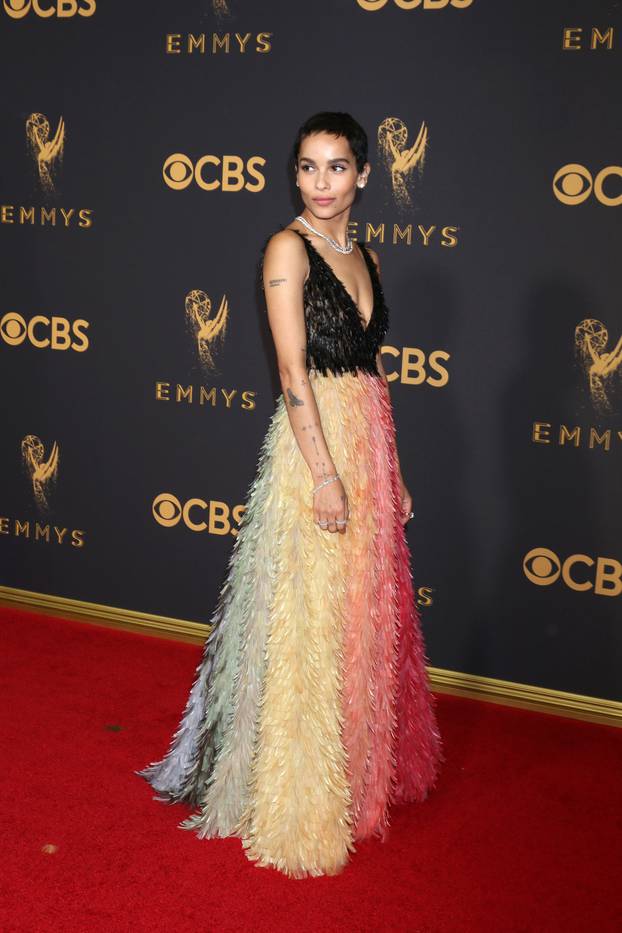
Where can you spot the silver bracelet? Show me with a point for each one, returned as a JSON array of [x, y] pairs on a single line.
[[325, 482]]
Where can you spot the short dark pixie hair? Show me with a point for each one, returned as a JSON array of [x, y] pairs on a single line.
[[338, 124]]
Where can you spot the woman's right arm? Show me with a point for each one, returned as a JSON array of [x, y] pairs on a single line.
[[285, 266]]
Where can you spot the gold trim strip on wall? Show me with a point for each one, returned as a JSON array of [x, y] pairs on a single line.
[[471, 686]]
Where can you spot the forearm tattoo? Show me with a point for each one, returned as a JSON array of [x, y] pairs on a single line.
[[273, 282], [319, 463], [293, 399]]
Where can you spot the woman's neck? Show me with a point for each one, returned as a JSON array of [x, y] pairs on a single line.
[[335, 227]]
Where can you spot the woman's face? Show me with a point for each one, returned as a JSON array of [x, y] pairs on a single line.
[[327, 175]]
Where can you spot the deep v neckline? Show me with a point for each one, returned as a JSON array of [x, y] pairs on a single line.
[[363, 323]]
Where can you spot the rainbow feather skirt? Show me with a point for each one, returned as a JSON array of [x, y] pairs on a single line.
[[311, 713]]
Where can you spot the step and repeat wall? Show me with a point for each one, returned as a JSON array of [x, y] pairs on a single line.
[[145, 160]]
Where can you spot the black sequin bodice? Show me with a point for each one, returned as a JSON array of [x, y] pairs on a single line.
[[337, 338]]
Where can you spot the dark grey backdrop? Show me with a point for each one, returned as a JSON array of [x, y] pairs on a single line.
[[506, 107]]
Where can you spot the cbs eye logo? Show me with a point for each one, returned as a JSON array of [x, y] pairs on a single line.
[[42, 332], [230, 173], [197, 514], [372, 5], [17, 9], [573, 184], [543, 567]]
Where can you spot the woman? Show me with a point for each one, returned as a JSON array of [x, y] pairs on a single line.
[[311, 711]]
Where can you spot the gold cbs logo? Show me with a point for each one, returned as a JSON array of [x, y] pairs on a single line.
[[416, 368], [573, 184], [55, 333], [197, 514], [372, 5], [543, 567], [17, 9], [229, 172]]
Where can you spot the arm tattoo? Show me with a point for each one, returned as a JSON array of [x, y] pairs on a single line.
[[317, 462], [274, 282], [293, 399]]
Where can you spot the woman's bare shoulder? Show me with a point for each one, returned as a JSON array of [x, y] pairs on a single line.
[[285, 245], [374, 256]]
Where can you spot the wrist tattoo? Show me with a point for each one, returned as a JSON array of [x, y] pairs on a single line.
[[293, 399]]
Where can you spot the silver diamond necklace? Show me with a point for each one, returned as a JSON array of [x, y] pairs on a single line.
[[335, 245]]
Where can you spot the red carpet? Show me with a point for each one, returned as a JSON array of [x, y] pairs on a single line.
[[522, 832]]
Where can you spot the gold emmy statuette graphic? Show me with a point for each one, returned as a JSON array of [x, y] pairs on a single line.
[[206, 329], [42, 472], [591, 338], [400, 161], [220, 7], [44, 149]]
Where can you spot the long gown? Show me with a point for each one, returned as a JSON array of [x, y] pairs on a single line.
[[311, 712]]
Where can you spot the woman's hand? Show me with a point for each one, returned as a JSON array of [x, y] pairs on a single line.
[[329, 504], [406, 502]]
